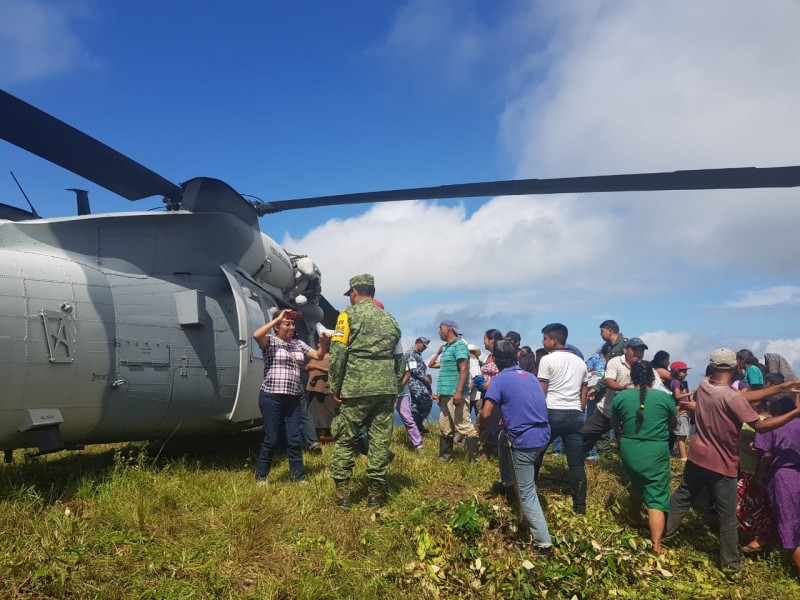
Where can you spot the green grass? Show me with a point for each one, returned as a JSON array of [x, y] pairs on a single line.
[[188, 521]]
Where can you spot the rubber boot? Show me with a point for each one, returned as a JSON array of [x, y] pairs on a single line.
[[342, 493], [445, 448], [472, 449], [376, 495]]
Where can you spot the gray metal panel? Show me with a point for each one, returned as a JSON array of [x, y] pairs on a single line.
[[144, 352], [13, 326], [60, 335], [48, 288], [191, 307], [29, 380], [40, 417]]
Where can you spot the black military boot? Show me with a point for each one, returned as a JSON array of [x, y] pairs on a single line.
[[376, 497], [342, 493], [472, 449], [445, 448]]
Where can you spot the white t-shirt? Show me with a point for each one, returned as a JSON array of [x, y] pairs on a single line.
[[474, 366], [618, 370], [659, 385], [565, 373]]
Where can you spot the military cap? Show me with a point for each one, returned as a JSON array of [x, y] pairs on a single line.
[[363, 279]]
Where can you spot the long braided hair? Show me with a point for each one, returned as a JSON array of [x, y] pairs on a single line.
[[642, 375]]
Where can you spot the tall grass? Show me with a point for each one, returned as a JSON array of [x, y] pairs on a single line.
[[188, 521]]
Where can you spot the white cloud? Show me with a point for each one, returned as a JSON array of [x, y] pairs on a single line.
[[38, 39], [694, 349], [658, 87], [676, 343], [782, 294], [629, 86], [438, 31], [417, 245]]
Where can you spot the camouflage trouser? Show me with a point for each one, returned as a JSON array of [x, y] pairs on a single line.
[[421, 401], [376, 413]]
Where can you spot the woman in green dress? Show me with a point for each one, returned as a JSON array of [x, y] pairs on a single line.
[[644, 417]]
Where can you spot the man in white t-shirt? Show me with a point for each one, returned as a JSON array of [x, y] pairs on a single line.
[[564, 379], [617, 377]]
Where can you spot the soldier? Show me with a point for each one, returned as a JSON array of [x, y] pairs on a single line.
[[365, 370], [420, 389]]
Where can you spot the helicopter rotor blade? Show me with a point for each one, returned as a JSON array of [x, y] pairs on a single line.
[[701, 179], [42, 134]]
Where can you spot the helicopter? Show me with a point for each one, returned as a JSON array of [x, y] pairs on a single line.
[[137, 325]]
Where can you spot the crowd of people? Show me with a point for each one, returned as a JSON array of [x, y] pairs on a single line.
[[736, 433]]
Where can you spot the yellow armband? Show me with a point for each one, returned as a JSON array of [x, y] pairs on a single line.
[[341, 333]]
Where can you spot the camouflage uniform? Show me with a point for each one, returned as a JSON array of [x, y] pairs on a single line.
[[365, 371], [421, 399], [609, 351]]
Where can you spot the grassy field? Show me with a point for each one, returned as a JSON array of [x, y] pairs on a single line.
[[188, 521]]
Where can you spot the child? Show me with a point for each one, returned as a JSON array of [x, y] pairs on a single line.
[[681, 394]]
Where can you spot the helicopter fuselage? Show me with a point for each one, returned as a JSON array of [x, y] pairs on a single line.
[[134, 325]]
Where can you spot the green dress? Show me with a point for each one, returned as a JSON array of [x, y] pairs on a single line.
[[645, 448]]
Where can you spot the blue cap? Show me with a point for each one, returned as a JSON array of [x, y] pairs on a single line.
[[636, 343]]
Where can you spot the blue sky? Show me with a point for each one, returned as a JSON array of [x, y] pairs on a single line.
[[315, 98]]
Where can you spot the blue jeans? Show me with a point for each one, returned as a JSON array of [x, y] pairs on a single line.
[[504, 459], [524, 460], [591, 405], [723, 491], [306, 422], [568, 424], [519, 465], [280, 411]]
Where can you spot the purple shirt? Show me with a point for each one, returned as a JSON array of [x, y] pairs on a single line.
[[522, 404], [784, 445], [676, 385]]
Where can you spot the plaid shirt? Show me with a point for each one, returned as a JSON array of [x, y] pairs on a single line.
[[282, 362]]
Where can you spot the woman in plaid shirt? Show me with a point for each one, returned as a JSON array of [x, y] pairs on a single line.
[[281, 391]]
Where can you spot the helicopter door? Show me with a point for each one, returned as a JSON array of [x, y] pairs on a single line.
[[252, 301]]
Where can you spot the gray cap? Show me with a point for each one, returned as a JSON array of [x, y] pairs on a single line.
[[422, 339], [722, 358], [452, 324]]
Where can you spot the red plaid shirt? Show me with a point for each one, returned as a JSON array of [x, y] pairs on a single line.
[[282, 362]]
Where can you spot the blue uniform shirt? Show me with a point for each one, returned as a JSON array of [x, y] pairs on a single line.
[[522, 404]]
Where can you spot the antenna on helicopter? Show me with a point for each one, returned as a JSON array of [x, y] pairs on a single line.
[[33, 210], [82, 198]]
